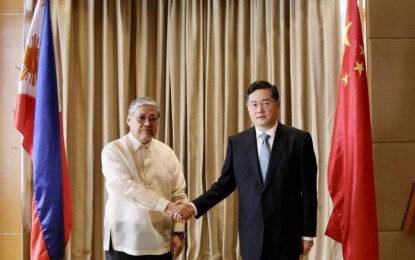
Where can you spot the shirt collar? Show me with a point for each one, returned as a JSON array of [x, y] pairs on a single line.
[[135, 143], [271, 132]]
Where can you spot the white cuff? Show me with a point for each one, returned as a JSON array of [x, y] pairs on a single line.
[[194, 208]]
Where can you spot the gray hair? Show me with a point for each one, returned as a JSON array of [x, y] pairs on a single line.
[[143, 101]]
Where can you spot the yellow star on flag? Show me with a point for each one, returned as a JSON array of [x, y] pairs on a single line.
[[346, 39], [345, 79], [359, 68]]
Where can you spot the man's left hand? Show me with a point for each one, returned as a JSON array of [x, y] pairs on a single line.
[[176, 245], [306, 245]]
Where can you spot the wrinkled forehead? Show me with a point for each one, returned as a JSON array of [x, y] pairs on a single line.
[[146, 110]]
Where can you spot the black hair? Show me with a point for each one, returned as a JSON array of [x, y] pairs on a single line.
[[262, 84]]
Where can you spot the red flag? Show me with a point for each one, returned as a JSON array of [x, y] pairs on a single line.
[[353, 221], [38, 117]]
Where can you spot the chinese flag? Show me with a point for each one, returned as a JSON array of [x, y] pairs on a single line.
[[353, 222]]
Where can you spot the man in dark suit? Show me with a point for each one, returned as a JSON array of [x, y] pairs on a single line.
[[277, 207]]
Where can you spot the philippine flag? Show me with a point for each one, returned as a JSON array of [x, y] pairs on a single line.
[[38, 117]]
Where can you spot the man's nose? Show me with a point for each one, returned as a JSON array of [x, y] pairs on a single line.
[[147, 122], [259, 108]]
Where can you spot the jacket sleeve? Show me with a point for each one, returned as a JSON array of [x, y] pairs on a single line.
[[309, 186], [221, 189]]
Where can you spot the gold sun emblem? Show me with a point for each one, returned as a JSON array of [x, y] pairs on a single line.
[[30, 61]]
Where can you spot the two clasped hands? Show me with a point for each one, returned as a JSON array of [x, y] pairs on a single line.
[[180, 211]]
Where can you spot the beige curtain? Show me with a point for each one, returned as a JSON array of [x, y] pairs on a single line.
[[196, 59]]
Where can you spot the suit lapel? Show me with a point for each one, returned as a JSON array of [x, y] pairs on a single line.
[[253, 153], [276, 152]]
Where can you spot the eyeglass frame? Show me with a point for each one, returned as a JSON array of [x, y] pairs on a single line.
[[142, 119], [255, 104]]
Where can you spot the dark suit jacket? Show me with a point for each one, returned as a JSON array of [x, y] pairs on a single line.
[[275, 214]]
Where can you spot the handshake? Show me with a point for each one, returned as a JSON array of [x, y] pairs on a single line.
[[180, 211]]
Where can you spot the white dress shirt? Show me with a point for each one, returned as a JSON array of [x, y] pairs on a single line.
[[140, 180], [270, 140]]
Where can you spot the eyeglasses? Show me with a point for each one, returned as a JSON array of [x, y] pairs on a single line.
[[142, 119], [256, 104]]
